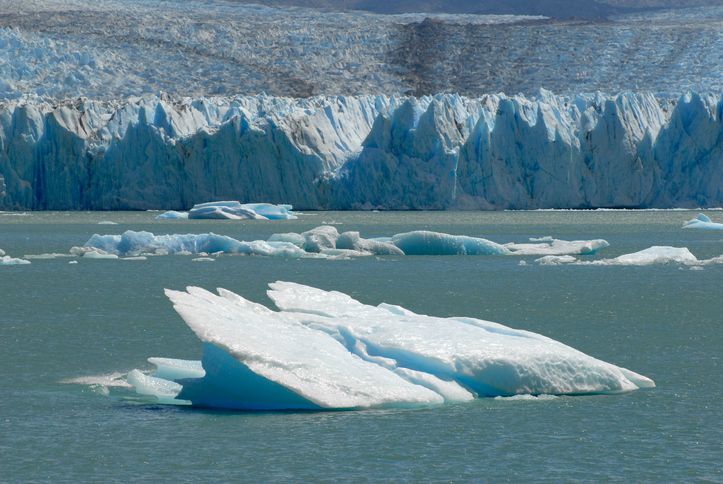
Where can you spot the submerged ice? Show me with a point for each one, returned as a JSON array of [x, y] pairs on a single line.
[[325, 350]]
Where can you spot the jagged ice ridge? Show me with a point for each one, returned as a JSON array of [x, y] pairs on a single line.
[[363, 152]]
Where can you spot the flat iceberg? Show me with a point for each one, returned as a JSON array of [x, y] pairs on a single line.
[[646, 257], [325, 350], [326, 242], [702, 222], [237, 211], [553, 247]]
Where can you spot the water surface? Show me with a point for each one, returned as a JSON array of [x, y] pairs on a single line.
[[60, 321]]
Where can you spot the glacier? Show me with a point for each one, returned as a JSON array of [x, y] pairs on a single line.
[[702, 222], [630, 150], [112, 49], [324, 242], [325, 350]]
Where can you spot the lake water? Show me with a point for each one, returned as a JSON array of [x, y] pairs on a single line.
[[60, 321]]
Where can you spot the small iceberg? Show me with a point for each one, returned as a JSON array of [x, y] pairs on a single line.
[[325, 350], [702, 222], [172, 215], [232, 210], [6, 260], [651, 256]]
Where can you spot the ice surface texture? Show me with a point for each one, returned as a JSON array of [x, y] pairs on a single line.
[[365, 152], [325, 350], [323, 241], [110, 49]]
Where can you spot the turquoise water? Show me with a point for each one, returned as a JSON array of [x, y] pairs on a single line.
[[60, 321]]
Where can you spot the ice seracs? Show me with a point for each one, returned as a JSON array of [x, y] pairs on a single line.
[[325, 350], [702, 222], [363, 152]]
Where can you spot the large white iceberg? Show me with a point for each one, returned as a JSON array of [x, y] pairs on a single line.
[[702, 222], [325, 350]]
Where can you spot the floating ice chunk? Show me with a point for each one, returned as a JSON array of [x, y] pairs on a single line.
[[136, 258], [291, 237], [6, 260], [203, 259], [650, 256], [323, 237], [550, 246], [486, 358], [434, 243], [255, 358], [271, 211], [656, 255], [223, 210], [173, 369], [325, 350], [162, 390], [92, 252], [106, 222], [353, 241], [172, 215], [2, 252], [556, 260], [135, 243], [53, 255], [702, 222]]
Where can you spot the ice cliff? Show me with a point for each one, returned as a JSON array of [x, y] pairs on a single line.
[[446, 151]]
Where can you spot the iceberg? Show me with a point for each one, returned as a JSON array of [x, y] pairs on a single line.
[[132, 243], [646, 257], [423, 242], [233, 210], [172, 215], [325, 350], [323, 242], [702, 222], [554, 247], [6, 260]]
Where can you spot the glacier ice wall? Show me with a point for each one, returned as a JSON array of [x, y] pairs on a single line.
[[361, 152]]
